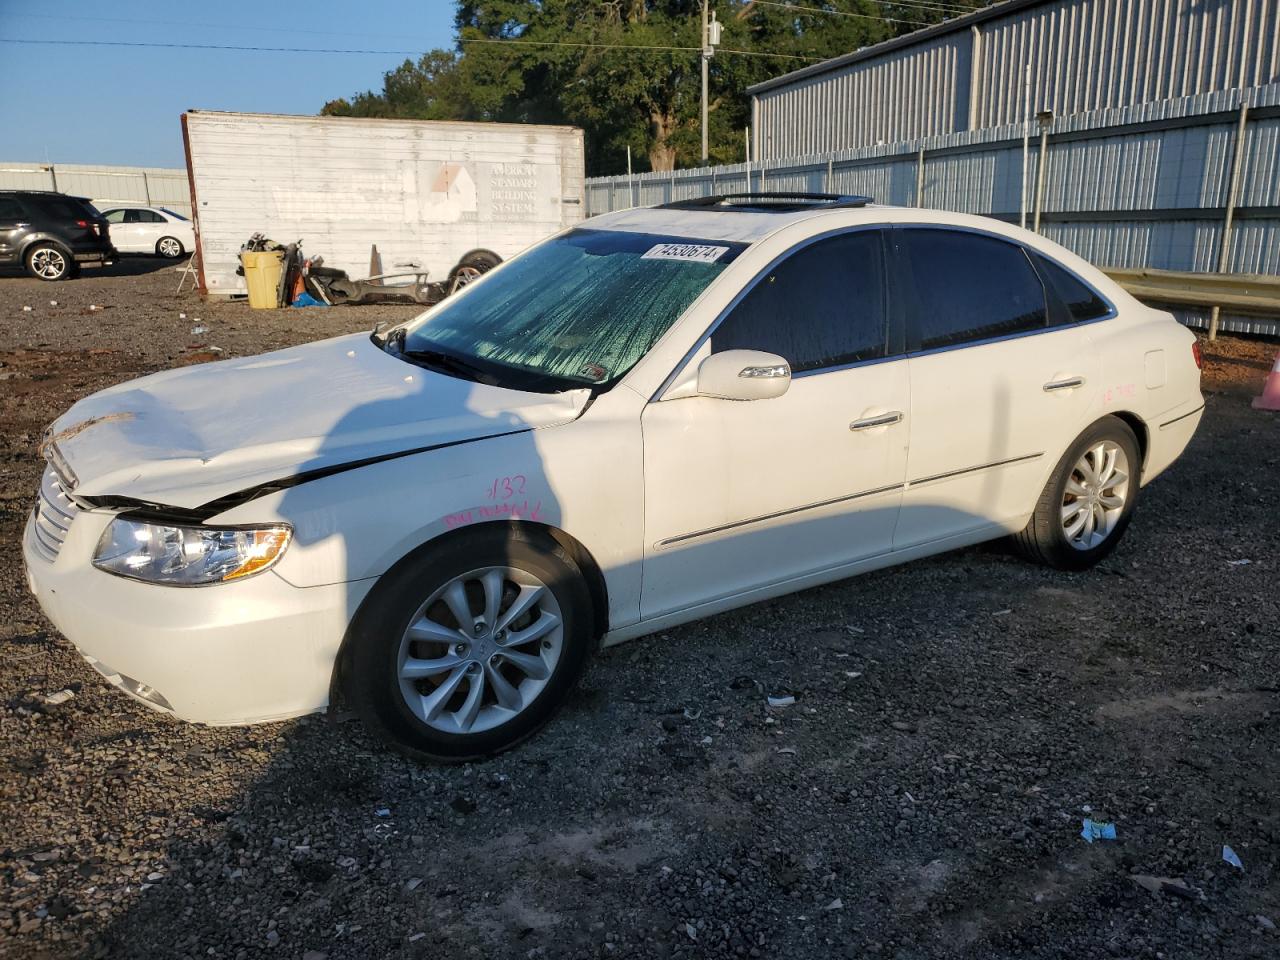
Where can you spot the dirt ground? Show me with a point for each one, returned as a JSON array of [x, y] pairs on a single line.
[[956, 719]]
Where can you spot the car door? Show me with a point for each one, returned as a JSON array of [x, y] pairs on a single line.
[[999, 384], [13, 227], [123, 236], [151, 227], [749, 494]]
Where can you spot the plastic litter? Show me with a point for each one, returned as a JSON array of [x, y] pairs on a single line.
[[382, 812], [1239, 563], [307, 300], [787, 751], [182, 316], [1230, 857], [53, 303], [93, 307], [836, 904], [692, 714], [26, 309], [62, 696], [783, 701], [1094, 830], [198, 329]]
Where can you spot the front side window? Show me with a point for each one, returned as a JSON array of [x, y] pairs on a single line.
[[968, 287], [823, 306], [577, 310], [1081, 300]]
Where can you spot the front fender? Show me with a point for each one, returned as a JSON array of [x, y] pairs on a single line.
[[584, 478]]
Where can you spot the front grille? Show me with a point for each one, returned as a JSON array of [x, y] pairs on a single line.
[[53, 515]]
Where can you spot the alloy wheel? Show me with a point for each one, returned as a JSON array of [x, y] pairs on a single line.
[[169, 247], [48, 263], [480, 650], [1095, 495]]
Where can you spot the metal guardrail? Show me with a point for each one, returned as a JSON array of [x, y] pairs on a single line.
[[1238, 292]]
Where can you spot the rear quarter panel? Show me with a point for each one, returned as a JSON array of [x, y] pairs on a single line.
[[1149, 371]]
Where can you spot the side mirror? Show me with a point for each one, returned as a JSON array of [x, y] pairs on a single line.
[[743, 375]]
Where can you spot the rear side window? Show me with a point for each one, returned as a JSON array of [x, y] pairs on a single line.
[[150, 216], [65, 208], [1081, 300], [970, 287], [10, 209], [823, 306]]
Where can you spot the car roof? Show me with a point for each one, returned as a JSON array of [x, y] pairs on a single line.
[[41, 193], [742, 225]]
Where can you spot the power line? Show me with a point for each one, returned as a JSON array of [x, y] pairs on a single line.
[[841, 13], [399, 53]]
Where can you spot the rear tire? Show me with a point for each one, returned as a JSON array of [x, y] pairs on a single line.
[[1088, 502], [48, 261], [502, 679], [170, 248]]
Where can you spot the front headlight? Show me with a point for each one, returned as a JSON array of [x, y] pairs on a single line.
[[188, 556]]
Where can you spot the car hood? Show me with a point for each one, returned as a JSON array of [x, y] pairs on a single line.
[[187, 437]]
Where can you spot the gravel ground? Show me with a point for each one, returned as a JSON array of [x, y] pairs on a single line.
[[955, 720]]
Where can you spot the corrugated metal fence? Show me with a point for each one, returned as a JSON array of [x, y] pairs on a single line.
[[105, 186], [969, 73], [1139, 186]]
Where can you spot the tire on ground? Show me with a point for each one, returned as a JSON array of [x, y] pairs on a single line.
[[369, 673], [1043, 539]]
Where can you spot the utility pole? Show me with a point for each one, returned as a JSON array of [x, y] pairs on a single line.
[[710, 39]]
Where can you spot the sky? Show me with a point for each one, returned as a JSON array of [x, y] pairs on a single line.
[[120, 105]]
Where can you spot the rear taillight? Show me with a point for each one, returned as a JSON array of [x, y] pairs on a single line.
[[1197, 355]]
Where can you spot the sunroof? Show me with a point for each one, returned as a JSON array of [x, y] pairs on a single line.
[[771, 202]]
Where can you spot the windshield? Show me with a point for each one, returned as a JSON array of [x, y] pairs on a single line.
[[578, 310]]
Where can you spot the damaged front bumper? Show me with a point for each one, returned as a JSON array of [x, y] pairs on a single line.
[[235, 653]]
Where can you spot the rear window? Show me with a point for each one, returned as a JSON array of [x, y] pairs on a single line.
[[176, 216]]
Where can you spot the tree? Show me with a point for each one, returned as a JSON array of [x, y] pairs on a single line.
[[627, 71]]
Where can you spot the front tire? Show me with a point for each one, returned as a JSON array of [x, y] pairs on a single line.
[[48, 261], [1088, 502], [469, 647], [169, 247]]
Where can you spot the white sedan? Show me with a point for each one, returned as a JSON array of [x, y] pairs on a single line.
[[656, 416], [153, 230]]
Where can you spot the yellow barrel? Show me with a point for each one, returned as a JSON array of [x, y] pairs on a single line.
[[262, 277]]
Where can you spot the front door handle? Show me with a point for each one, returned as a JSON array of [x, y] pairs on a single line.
[[1070, 383], [880, 420]]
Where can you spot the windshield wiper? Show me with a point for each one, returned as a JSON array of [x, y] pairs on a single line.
[[447, 363]]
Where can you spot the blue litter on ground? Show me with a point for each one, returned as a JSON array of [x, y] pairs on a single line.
[[1230, 857], [307, 300], [1098, 831]]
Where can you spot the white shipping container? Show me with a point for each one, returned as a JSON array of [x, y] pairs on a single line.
[[425, 192]]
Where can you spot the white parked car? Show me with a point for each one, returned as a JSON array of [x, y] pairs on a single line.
[[661, 414], [154, 230]]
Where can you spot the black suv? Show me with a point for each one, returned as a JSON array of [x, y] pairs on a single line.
[[51, 234]]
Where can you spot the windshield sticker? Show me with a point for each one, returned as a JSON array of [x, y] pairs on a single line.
[[695, 252]]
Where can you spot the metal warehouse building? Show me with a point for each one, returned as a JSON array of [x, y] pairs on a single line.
[[969, 73]]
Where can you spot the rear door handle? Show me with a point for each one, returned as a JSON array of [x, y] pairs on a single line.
[[1070, 383], [880, 420]]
